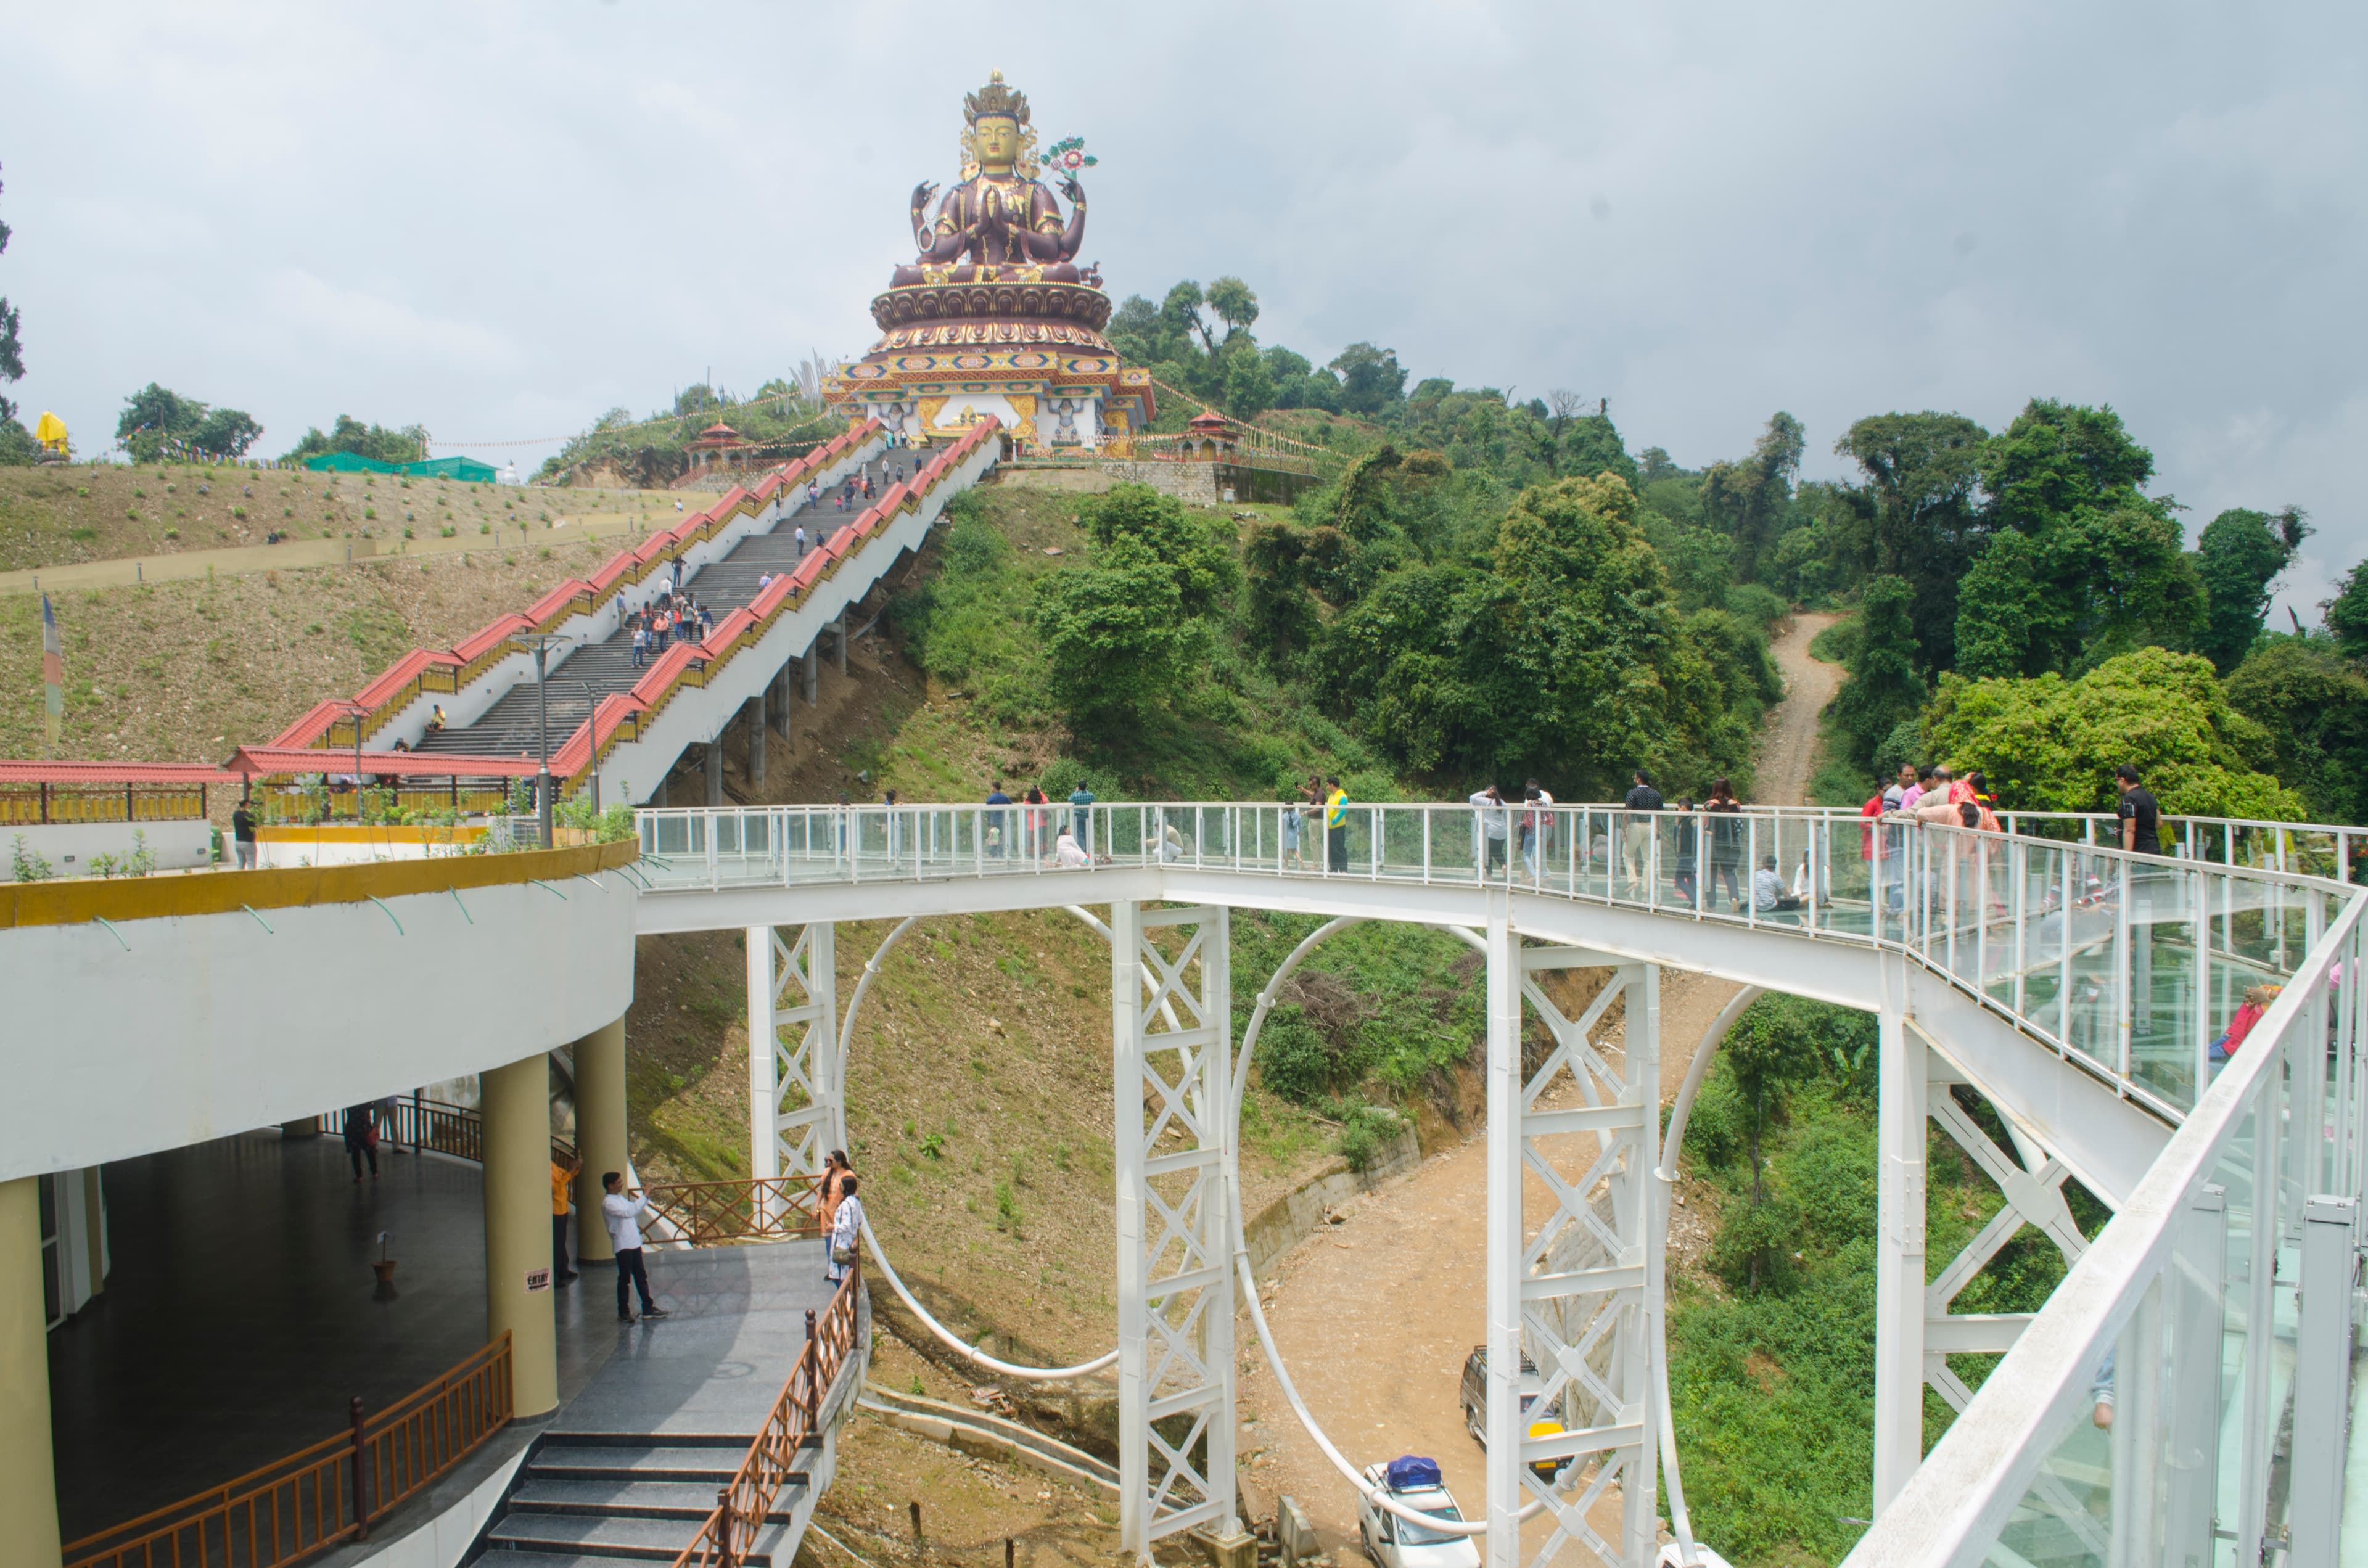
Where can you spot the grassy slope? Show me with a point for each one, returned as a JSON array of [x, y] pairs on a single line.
[[106, 512], [177, 672]]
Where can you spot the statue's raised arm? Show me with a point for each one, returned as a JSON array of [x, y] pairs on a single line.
[[940, 242], [1048, 238]]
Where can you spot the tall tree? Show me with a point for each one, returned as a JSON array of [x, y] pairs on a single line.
[[1231, 302], [2240, 554], [156, 420], [1919, 509], [1884, 687], [2096, 569], [2347, 613], [12, 351], [1372, 383], [1747, 501], [2314, 703]]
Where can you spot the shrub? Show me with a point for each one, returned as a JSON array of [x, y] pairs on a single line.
[[26, 865], [1364, 1133], [1294, 1060]]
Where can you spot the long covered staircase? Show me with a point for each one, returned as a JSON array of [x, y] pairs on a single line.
[[517, 724]]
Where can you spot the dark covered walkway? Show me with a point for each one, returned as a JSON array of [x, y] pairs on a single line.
[[239, 1315]]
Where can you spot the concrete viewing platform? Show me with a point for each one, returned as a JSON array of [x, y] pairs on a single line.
[[239, 1318]]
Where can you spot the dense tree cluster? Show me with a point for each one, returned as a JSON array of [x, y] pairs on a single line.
[[351, 435], [157, 422]]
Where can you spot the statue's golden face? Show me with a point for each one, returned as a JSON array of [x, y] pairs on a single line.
[[997, 140]]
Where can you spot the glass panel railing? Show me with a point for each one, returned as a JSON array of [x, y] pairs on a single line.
[[2129, 965]]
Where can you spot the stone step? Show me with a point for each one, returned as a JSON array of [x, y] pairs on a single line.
[[629, 1539], [712, 1463], [621, 1498]]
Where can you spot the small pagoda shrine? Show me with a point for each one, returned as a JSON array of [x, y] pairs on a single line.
[[718, 445], [994, 316]]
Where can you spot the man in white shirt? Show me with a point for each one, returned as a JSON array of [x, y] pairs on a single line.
[[799, 533], [622, 1211], [1489, 813], [1767, 894]]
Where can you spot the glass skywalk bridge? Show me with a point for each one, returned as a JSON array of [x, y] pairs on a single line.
[[2184, 1396]]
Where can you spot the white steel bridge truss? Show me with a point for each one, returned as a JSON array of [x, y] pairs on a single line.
[[1574, 1265]]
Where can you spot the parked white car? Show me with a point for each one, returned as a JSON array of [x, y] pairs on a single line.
[[1392, 1542]]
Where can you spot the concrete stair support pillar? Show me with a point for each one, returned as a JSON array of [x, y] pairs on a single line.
[[776, 705], [841, 640], [599, 1131], [756, 742], [814, 672], [518, 1284], [715, 771], [29, 1483]]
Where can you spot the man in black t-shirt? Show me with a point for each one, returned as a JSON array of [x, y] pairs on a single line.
[[242, 835], [1636, 833], [2139, 813]]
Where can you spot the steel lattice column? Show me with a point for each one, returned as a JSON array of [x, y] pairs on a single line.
[[1569, 1293], [1172, 1028], [797, 1109]]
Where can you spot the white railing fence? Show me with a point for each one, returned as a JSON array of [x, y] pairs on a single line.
[[2181, 1318]]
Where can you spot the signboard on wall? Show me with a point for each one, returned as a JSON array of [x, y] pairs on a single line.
[[537, 1280]]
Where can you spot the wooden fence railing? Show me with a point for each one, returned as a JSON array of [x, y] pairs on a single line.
[[433, 1126], [760, 1210], [329, 1492], [724, 1539]]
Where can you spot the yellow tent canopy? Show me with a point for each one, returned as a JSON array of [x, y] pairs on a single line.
[[51, 432]]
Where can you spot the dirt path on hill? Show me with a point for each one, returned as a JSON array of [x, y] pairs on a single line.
[[1792, 749], [1374, 1315]]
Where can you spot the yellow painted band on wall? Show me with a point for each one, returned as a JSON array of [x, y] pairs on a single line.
[[348, 833], [225, 893]]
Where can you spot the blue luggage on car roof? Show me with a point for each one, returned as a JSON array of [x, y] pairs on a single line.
[[1410, 1471]]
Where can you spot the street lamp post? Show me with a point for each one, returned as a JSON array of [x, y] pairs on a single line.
[[543, 746], [541, 642]]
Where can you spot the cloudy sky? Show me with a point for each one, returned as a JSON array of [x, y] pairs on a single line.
[[499, 221]]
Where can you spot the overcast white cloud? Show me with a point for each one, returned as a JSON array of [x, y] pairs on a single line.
[[500, 220]]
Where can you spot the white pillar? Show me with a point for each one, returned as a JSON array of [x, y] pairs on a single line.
[[1126, 1085], [1172, 1034], [797, 1110], [1504, 1233], [1640, 1515], [1899, 1256]]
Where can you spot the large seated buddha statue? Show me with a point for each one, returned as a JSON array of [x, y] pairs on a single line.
[[999, 217], [997, 261]]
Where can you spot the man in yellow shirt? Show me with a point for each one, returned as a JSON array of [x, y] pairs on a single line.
[[1335, 824], [562, 1177]]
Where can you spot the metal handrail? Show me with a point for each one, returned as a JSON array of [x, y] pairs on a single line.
[[751, 1208], [325, 1493], [743, 1504]]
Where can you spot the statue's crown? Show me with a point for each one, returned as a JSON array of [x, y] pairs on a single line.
[[995, 99]]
